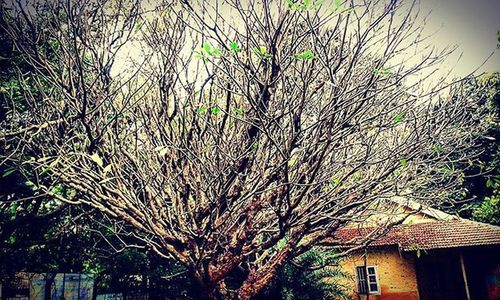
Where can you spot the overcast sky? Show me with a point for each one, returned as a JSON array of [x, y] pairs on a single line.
[[472, 25]]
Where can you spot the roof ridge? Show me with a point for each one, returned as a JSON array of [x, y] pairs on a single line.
[[453, 233]]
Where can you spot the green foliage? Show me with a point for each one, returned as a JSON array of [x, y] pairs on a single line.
[[215, 110], [202, 110], [445, 170], [312, 275], [138, 26], [239, 111], [437, 149], [382, 72], [262, 52], [335, 181], [40, 234], [306, 55], [234, 47], [31, 185], [488, 210], [208, 50], [8, 171], [403, 162], [211, 50], [356, 176], [304, 4], [483, 188], [399, 117]]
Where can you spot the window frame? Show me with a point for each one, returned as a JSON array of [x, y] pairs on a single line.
[[367, 281]]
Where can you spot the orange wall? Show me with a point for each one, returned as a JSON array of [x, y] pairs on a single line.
[[397, 276]]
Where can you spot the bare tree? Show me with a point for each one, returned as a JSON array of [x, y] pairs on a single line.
[[234, 134]]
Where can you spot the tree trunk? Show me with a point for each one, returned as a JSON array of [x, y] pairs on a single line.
[[203, 288], [49, 280], [248, 290], [207, 294]]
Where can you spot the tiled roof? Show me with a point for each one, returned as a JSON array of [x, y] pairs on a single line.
[[428, 235]]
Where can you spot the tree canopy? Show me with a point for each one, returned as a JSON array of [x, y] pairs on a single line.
[[232, 135]]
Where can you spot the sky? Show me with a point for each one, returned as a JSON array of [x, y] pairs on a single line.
[[471, 25]]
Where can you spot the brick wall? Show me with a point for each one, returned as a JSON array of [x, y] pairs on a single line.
[[396, 274]]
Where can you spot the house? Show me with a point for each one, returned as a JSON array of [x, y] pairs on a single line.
[[431, 255]]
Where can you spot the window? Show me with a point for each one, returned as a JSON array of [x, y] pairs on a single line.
[[367, 280]]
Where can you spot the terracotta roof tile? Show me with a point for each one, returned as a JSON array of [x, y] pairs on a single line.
[[429, 235]]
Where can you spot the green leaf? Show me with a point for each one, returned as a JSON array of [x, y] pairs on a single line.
[[356, 176], [337, 7], [95, 157], [282, 243], [306, 55], [50, 166], [207, 47], [210, 50], [13, 208], [489, 183], [8, 172], [317, 4], [234, 47], [12, 239], [31, 185], [445, 170], [335, 181], [383, 72], [45, 170], [138, 26], [58, 189], [437, 148], [239, 111], [215, 110], [300, 7], [201, 109], [199, 55], [262, 52], [403, 162], [399, 117], [255, 146]]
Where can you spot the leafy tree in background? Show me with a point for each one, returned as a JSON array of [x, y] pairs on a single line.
[[479, 197], [30, 223], [313, 275], [43, 235], [487, 208]]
